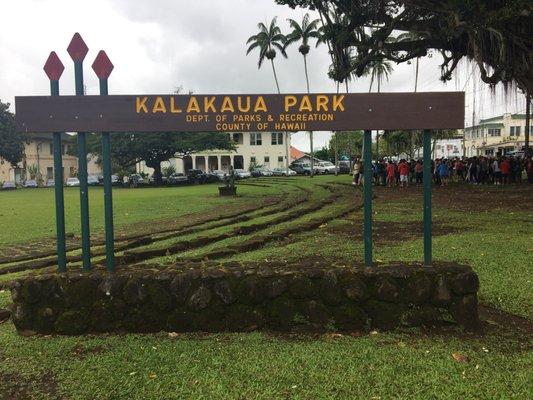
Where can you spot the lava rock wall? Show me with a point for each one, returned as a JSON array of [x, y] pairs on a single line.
[[234, 297]]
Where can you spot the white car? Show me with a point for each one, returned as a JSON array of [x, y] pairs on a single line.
[[73, 182], [325, 167], [283, 172], [242, 173]]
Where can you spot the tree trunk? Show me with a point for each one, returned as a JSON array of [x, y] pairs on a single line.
[[158, 176], [306, 75], [528, 124], [310, 132], [416, 74], [275, 75], [379, 83], [377, 145], [336, 154]]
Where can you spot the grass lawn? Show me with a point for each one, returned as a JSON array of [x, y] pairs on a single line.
[[490, 228]]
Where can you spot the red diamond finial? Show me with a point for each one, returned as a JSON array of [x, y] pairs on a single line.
[[77, 48], [53, 67], [102, 65]]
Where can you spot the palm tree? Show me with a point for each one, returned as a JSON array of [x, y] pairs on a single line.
[[378, 70], [304, 32], [268, 40]]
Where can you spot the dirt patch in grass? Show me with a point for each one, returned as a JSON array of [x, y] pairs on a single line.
[[390, 231], [14, 386], [81, 352], [463, 197]]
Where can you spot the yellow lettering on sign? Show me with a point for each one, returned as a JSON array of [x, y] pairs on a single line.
[[159, 105], [322, 102], [227, 105], [337, 102], [305, 105], [209, 104], [173, 108], [239, 104], [193, 105], [290, 101], [260, 104], [140, 104]]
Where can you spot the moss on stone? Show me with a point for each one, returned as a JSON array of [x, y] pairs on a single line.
[[72, 323]]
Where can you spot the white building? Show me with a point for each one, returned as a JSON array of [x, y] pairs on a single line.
[[496, 135], [252, 148], [444, 148]]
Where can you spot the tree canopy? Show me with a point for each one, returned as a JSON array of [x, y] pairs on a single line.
[[153, 148], [11, 143], [495, 34]]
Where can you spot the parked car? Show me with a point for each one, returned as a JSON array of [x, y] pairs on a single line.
[[136, 180], [115, 180], [283, 172], [242, 174], [178, 178], [198, 176], [220, 174], [325, 167], [92, 180], [30, 183], [257, 172], [301, 168], [344, 167], [50, 183], [9, 185], [71, 182]]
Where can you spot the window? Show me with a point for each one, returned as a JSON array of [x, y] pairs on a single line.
[[237, 138], [51, 148], [65, 149], [515, 131], [280, 159], [267, 159], [72, 172], [489, 152], [49, 172], [255, 139], [252, 160], [494, 132], [277, 138]]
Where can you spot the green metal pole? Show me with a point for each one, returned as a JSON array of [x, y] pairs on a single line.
[[427, 197], [58, 188], [367, 189], [82, 175], [108, 192]]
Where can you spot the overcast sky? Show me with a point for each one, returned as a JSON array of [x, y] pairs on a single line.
[[157, 45]]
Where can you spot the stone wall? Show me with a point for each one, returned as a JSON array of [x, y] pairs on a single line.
[[244, 297]]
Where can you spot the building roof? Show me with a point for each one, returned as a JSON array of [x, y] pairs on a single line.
[[296, 154]]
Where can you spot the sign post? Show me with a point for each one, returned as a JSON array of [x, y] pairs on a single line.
[[78, 50], [367, 196], [54, 69], [102, 66], [427, 176]]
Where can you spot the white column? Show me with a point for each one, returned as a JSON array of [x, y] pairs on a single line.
[[219, 162], [193, 162]]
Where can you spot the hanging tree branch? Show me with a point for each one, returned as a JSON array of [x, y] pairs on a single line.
[[495, 34]]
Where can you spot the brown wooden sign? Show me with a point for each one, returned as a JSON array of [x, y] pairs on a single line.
[[240, 113]]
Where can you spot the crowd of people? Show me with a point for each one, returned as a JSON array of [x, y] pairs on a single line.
[[481, 170]]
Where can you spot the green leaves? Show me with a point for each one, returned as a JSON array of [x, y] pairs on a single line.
[[11, 143]]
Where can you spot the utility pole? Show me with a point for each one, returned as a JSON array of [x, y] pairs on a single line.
[[528, 123]]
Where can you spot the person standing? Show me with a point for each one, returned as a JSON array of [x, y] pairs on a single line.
[[356, 172], [443, 173], [419, 172], [391, 174], [404, 173], [497, 172], [505, 167]]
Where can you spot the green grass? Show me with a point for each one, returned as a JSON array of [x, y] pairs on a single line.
[[30, 213], [258, 366], [399, 365]]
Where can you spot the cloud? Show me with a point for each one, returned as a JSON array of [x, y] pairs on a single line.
[[157, 45]]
